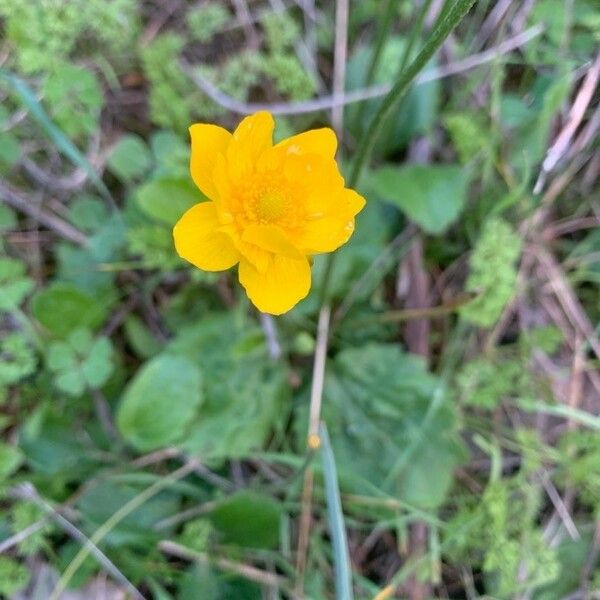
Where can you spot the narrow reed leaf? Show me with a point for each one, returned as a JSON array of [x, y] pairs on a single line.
[[341, 556]]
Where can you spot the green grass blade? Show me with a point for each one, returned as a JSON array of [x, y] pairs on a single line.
[[341, 556], [62, 142]]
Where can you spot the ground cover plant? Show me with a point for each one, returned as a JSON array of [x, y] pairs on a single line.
[[422, 422]]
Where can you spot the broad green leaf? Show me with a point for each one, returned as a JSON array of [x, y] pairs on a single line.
[[432, 196], [76, 309], [248, 519], [244, 393], [130, 158], [166, 199], [160, 403], [391, 425]]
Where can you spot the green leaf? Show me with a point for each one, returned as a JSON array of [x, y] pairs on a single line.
[[88, 212], [10, 149], [74, 97], [76, 309], [17, 359], [391, 425], [13, 576], [8, 219], [71, 382], [417, 112], [11, 458], [166, 199], [130, 158], [244, 393], [171, 154], [97, 366], [61, 356], [432, 196], [14, 284], [140, 338], [248, 519], [160, 403]]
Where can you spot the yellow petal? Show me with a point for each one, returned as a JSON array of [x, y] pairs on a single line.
[[316, 141], [334, 228], [251, 138], [198, 241], [208, 142], [271, 238], [285, 282]]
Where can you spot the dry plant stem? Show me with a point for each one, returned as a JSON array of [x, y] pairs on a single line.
[[270, 328], [313, 440], [567, 298], [576, 114], [27, 491], [64, 229], [246, 571], [328, 102], [245, 19], [339, 64]]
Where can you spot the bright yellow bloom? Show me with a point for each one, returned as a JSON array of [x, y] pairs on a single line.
[[270, 207]]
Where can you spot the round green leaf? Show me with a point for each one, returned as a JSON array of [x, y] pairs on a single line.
[[160, 402]]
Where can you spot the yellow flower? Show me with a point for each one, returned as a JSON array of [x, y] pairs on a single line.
[[270, 207]]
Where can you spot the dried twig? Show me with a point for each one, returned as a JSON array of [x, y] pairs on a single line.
[[339, 63], [328, 102], [27, 491], [313, 439], [576, 114], [245, 571], [270, 328], [64, 229]]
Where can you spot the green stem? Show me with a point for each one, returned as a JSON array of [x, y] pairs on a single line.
[[443, 29], [446, 23], [414, 33]]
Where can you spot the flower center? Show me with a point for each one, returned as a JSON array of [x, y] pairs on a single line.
[[271, 206]]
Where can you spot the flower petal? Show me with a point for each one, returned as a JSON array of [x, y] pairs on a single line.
[[334, 228], [208, 142], [316, 141], [198, 241], [285, 282], [251, 138], [271, 238]]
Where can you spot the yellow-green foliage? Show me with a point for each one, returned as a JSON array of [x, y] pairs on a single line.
[[493, 274], [45, 32]]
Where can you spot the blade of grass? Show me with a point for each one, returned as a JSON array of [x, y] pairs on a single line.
[[62, 142], [341, 556]]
